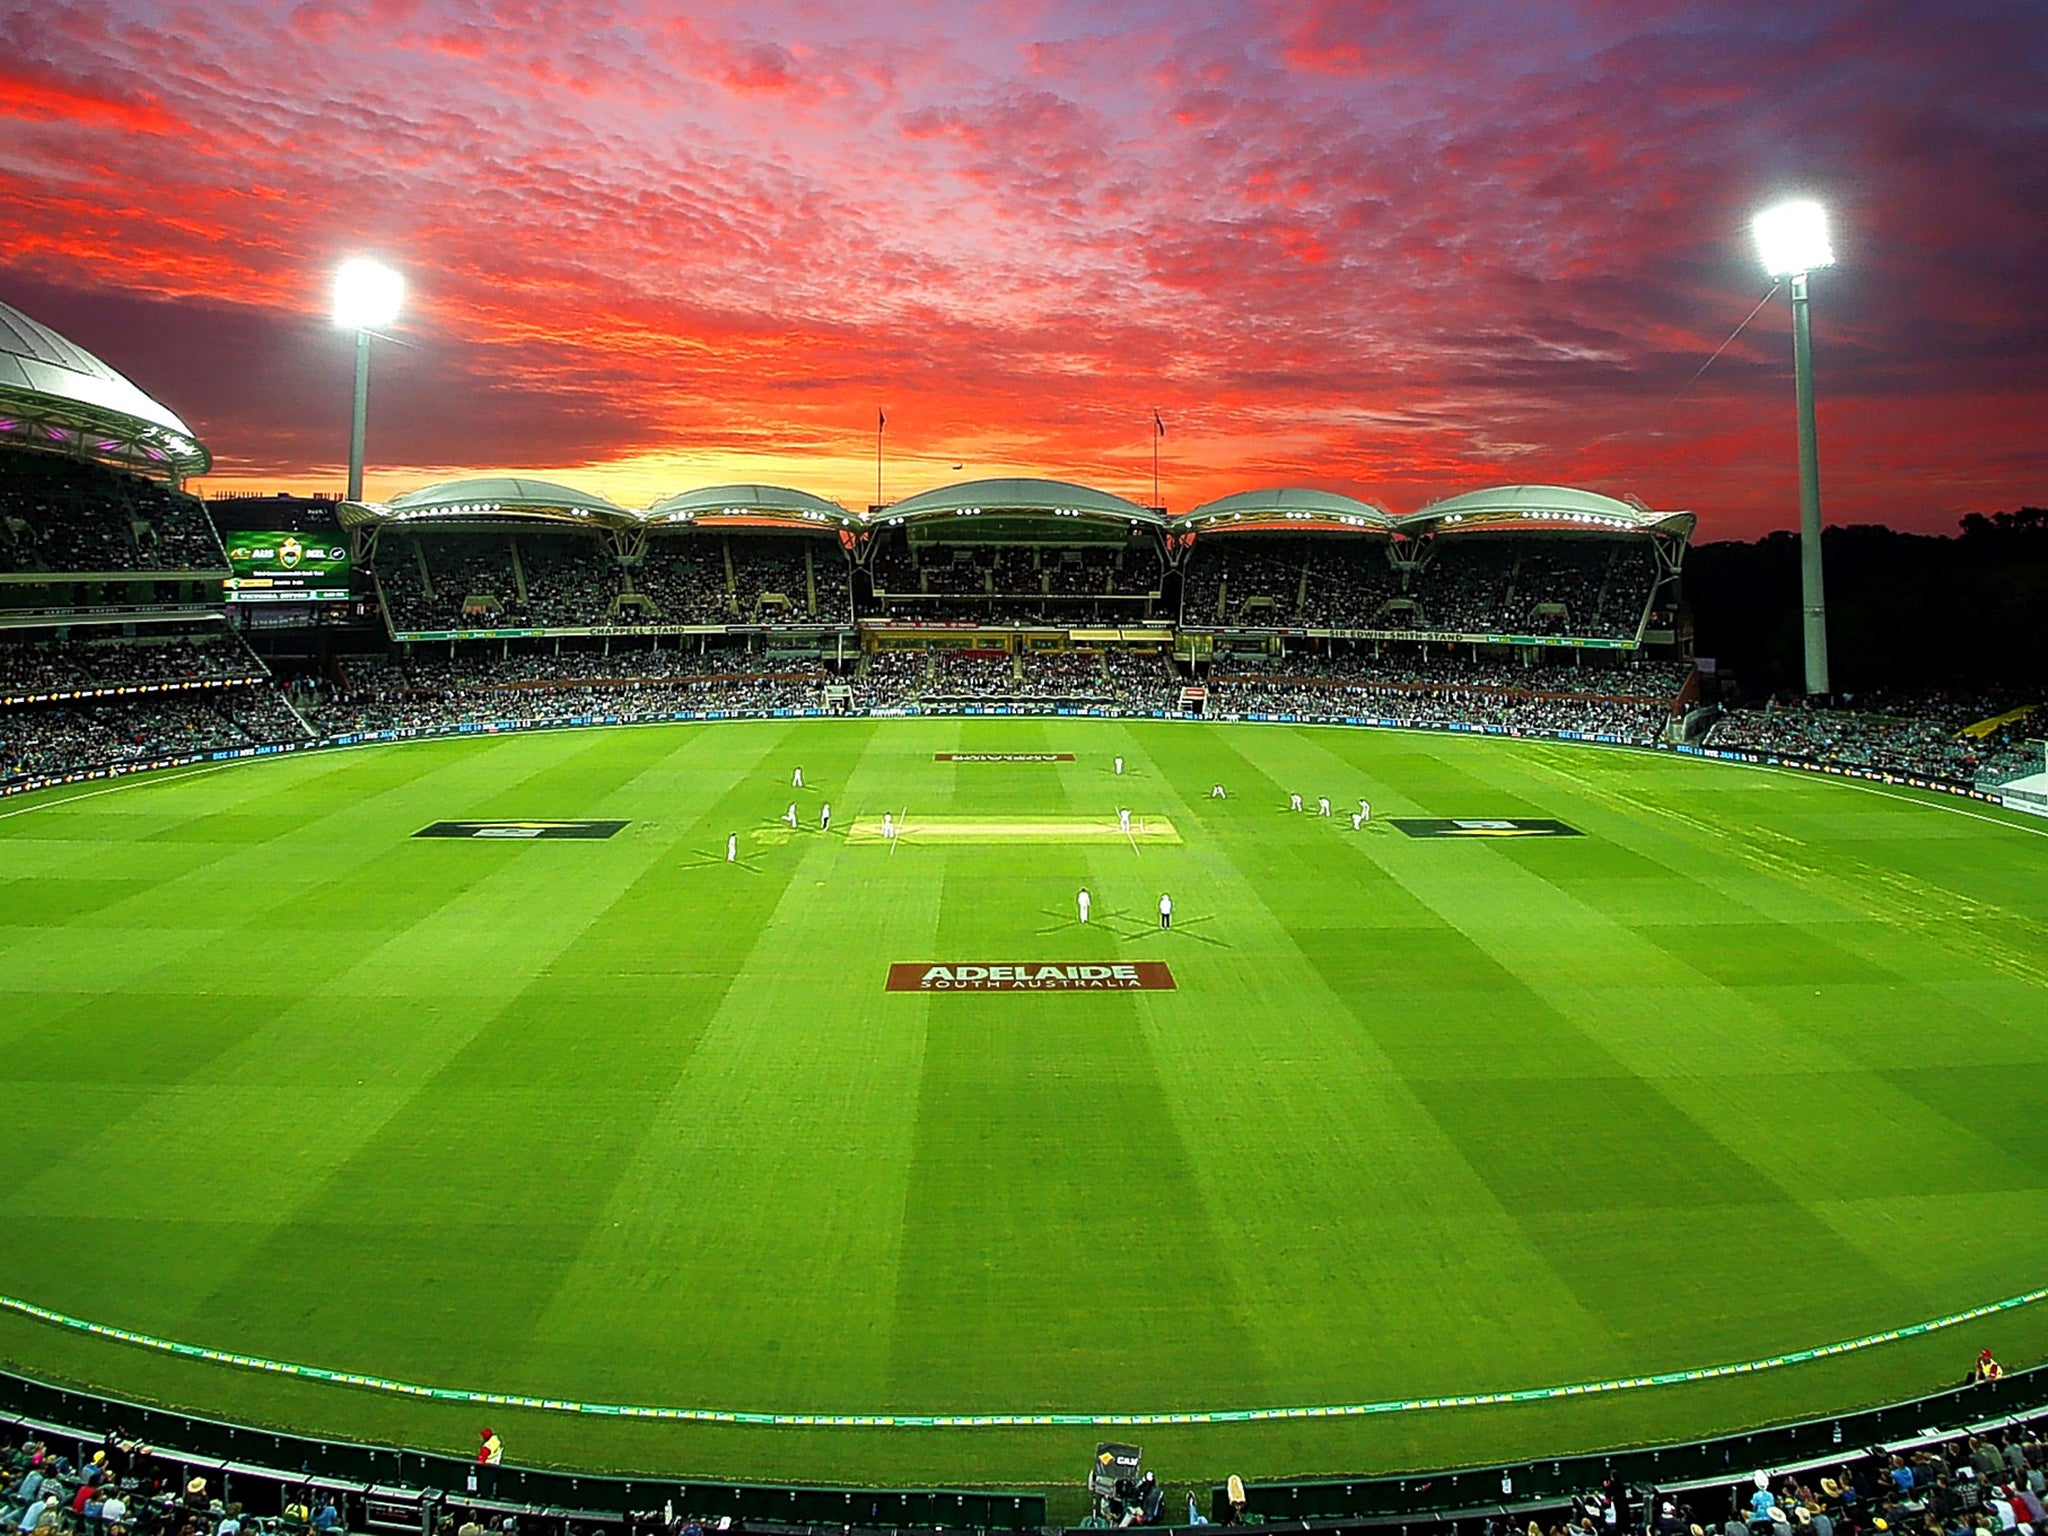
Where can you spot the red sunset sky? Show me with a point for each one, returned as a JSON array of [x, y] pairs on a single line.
[[1398, 250]]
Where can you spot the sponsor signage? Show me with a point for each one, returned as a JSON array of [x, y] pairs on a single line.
[[1476, 826], [516, 831], [1029, 976], [1002, 757]]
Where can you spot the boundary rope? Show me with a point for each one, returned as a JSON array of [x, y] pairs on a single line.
[[1006, 1420]]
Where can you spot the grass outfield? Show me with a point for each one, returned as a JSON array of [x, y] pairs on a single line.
[[1753, 1064]]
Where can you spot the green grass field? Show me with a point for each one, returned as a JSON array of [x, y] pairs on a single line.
[[1753, 1064]]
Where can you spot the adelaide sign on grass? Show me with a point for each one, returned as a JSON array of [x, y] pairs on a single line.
[[1062, 976]]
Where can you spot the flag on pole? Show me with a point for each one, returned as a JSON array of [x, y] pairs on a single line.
[[881, 420], [1159, 424]]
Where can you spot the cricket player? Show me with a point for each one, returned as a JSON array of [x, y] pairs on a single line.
[[1119, 765], [1216, 792], [1165, 910], [1123, 819], [732, 848], [825, 817], [888, 826], [1323, 805], [796, 780], [1082, 900], [1357, 821], [1365, 810], [1294, 802], [790, 815]]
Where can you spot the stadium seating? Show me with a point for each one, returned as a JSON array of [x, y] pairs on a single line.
[[732, 578], [33, 670], [1027, 583], [496, 580], [1528, 585], [63, 516], [1919, 735]]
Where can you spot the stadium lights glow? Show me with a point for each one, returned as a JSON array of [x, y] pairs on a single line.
[[1793, 238], [367, 295]]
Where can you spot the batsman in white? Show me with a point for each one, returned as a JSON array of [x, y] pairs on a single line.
[[1123, 819]]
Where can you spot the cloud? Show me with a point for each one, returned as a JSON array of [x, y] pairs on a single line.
[[1397, 249]]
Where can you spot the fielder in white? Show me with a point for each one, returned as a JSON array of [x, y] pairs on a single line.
[[1294, 802], [732, 848], [796, 780], [1082, 902], [1123, 819], [1119, 765], [1216, 792], [888, 826], [1165, 910], [1365, 810], [790, 815], [825, 817], [1323, 806]]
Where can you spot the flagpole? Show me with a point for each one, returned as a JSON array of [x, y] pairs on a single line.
[[881, 421], [1158, 431]]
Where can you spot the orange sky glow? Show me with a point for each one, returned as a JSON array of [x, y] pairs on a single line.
[[1395, 250]]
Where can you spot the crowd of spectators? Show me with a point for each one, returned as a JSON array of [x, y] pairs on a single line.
[[40, 741], [1579, 692], [46, 668], [471, 582], [1594, 588], [1634, 702], [64, 515], [1970, 1485], [972, 674], [1017, 582], [1923, 735], [685, 576], [422, 692]]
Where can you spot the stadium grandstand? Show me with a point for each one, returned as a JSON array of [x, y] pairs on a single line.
[[114, 648], [1519, 565]]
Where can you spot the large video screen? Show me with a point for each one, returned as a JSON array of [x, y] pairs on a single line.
[[286, 568]]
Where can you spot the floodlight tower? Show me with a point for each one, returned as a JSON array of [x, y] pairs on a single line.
[[1793, 241], [366, 298]]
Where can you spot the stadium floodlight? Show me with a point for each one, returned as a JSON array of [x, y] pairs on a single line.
[[1792, 238], [367, 295]]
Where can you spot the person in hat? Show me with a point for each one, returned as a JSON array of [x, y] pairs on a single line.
[[1988, 1369], [492, 1451]]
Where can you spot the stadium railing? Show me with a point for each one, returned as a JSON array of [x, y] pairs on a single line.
[[1514, 1491], [265, 1469], [259, 1468]]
